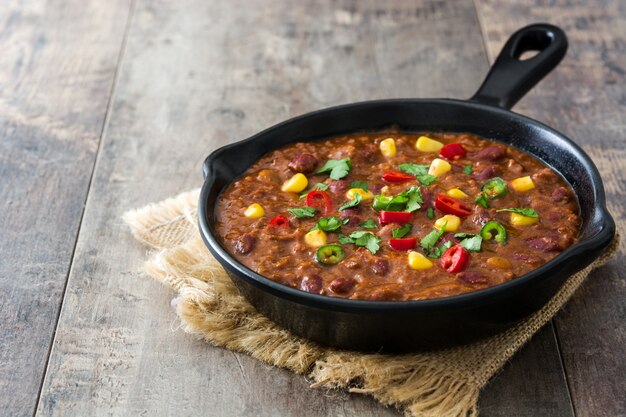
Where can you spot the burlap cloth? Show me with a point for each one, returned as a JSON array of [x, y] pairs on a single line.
[[434, 384]]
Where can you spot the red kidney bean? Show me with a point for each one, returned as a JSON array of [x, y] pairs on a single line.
[[338, 187], [527, 258], [544, 243], [312, 283], [245, 244], [370, 151], [342, 285], [303, 163], [429, 198], [489, 172], [544, 175], [481, 215], [380, 267], [472, 277], [448, 237], [490, 153], [559, 195], [375, 187]]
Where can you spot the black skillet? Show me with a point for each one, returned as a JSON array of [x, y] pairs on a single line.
[[410, 325]]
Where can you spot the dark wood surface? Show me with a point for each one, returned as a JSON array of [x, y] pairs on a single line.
[[136, 93]]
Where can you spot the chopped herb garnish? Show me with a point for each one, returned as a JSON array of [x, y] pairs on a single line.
[[319, 187], [383, 202], [437, 252], [430, 240], [415, 199], [481, 200], [401, 232], [430, 213], [414, 169], [366, 239], [470, 241], [344, 240], [336, 168], [352, 203], [362, 238], [524, 211], [420, 171], [468, 169], [359, 184], [301, 212], [369, 224], [330, 224]]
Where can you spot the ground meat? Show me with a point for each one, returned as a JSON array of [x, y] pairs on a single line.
[[560, 195]]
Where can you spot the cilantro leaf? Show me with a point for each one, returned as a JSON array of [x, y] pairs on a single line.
[[336, 168], [367, 240], [427, 179], [468, 169], [359, 184], [414, 169], [344, 240], [383, 202], [430, 213], [401, 232], [301, 212], [369, 224], [319, 186], [415, 199], [329, 224], [437, 252], [481, 200], [470, 241], [524, 211], [430, 240], [351, 203], [420, 171]]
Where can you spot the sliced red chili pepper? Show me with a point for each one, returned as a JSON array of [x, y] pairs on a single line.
[[401, 217], [449, 205], [406, 243], [453, 151], [280, 221], [397, 176], [454, 259], [320, 200]]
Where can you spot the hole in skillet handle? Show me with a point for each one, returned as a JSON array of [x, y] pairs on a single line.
[[512, 75]]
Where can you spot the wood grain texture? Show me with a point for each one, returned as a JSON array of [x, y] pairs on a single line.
[[585, 98], [56, 74]]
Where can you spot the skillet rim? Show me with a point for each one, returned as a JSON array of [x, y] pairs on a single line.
[[596, 242]]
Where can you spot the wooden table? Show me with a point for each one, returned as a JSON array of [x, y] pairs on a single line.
[[108, 105]]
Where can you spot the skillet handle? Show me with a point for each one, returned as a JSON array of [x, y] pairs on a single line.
[[510, 78]]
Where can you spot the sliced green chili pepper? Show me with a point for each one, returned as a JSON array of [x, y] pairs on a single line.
[[330, 254], [494, 230], [495, 187]]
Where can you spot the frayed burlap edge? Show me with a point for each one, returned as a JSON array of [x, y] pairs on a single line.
[[429, 384]]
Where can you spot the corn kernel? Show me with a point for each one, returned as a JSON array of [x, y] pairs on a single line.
[[418, 261], [295, 184], [523, 184], [254, 211], [452, 225], [456, 193], [499, 262], [388, 147], [439, 167], [365, 195], [315, 238], [521, 220], [426, 144]]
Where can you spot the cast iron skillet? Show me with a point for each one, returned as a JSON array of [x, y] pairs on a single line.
[[412, 325]]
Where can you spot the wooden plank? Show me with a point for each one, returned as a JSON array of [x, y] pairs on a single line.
[[191, 82], [584, 99], [56, 73]]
